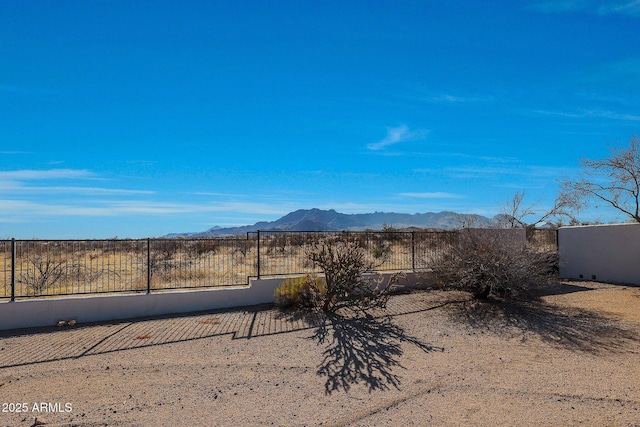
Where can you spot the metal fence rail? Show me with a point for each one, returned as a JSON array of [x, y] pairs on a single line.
[[283, 252], [7, 286], [37, 268]]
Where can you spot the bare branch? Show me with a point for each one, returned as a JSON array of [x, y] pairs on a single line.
[[515, 212], [614, 180]]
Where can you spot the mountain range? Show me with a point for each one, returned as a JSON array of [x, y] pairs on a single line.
[[330, 220]]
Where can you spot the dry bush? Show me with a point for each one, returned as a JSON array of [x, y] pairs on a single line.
[[297, 293], [196, 248], [49, 275], [277, 243], [241, 247], [42, 273], [431, 246], [346, 282], [495, 263]]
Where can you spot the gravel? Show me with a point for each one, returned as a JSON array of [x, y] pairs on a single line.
[[439, 358]]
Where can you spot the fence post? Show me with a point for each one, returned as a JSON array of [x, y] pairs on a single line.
[[148, 265], [413, 250], [13, 270], [258, 254]]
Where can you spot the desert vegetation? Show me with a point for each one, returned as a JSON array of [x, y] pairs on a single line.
[[50, 268], [348, 280], [495, 263]]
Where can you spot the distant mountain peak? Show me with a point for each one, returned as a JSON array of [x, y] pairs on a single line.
[[330, 220]]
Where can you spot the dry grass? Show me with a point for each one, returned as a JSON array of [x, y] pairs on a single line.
[[98, 271], [70, 267]]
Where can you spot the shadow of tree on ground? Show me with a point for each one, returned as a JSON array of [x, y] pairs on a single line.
[[565, 327], [558, 289], [362, 350]]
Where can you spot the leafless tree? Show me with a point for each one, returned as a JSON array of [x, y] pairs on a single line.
[[515, 212], [614, 181]]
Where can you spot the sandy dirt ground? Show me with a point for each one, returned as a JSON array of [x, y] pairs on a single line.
[[436, 358]]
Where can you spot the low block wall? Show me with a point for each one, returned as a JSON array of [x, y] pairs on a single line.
[[47, 312], [95, 308], [605, 253]]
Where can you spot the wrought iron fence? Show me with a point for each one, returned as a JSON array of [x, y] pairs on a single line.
[[283, 252], [36, 268], [543, 238]]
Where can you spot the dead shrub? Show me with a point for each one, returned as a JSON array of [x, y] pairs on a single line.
[[349, 281], [43, 272], [495, 263]]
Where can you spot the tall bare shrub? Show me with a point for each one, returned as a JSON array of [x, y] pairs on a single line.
[[347, 284], [495, 262]]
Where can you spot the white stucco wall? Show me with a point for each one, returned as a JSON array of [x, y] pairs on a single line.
[[95, 308], [605, 253]]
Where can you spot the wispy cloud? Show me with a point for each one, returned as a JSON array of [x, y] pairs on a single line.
[[11, 186], [455, 99], [210, 194], [504, 171], [591, 114], [48, 182], [24, 90], [432, 195], [25, 208], [560, 6], [600, 7], [397, 135], [631, 8], [616, 116], [28, 194], [34, 174], [425, 94]]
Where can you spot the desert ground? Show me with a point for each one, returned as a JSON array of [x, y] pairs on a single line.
[[433, 358]]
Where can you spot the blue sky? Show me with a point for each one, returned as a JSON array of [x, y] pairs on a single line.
[[142, 118]]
